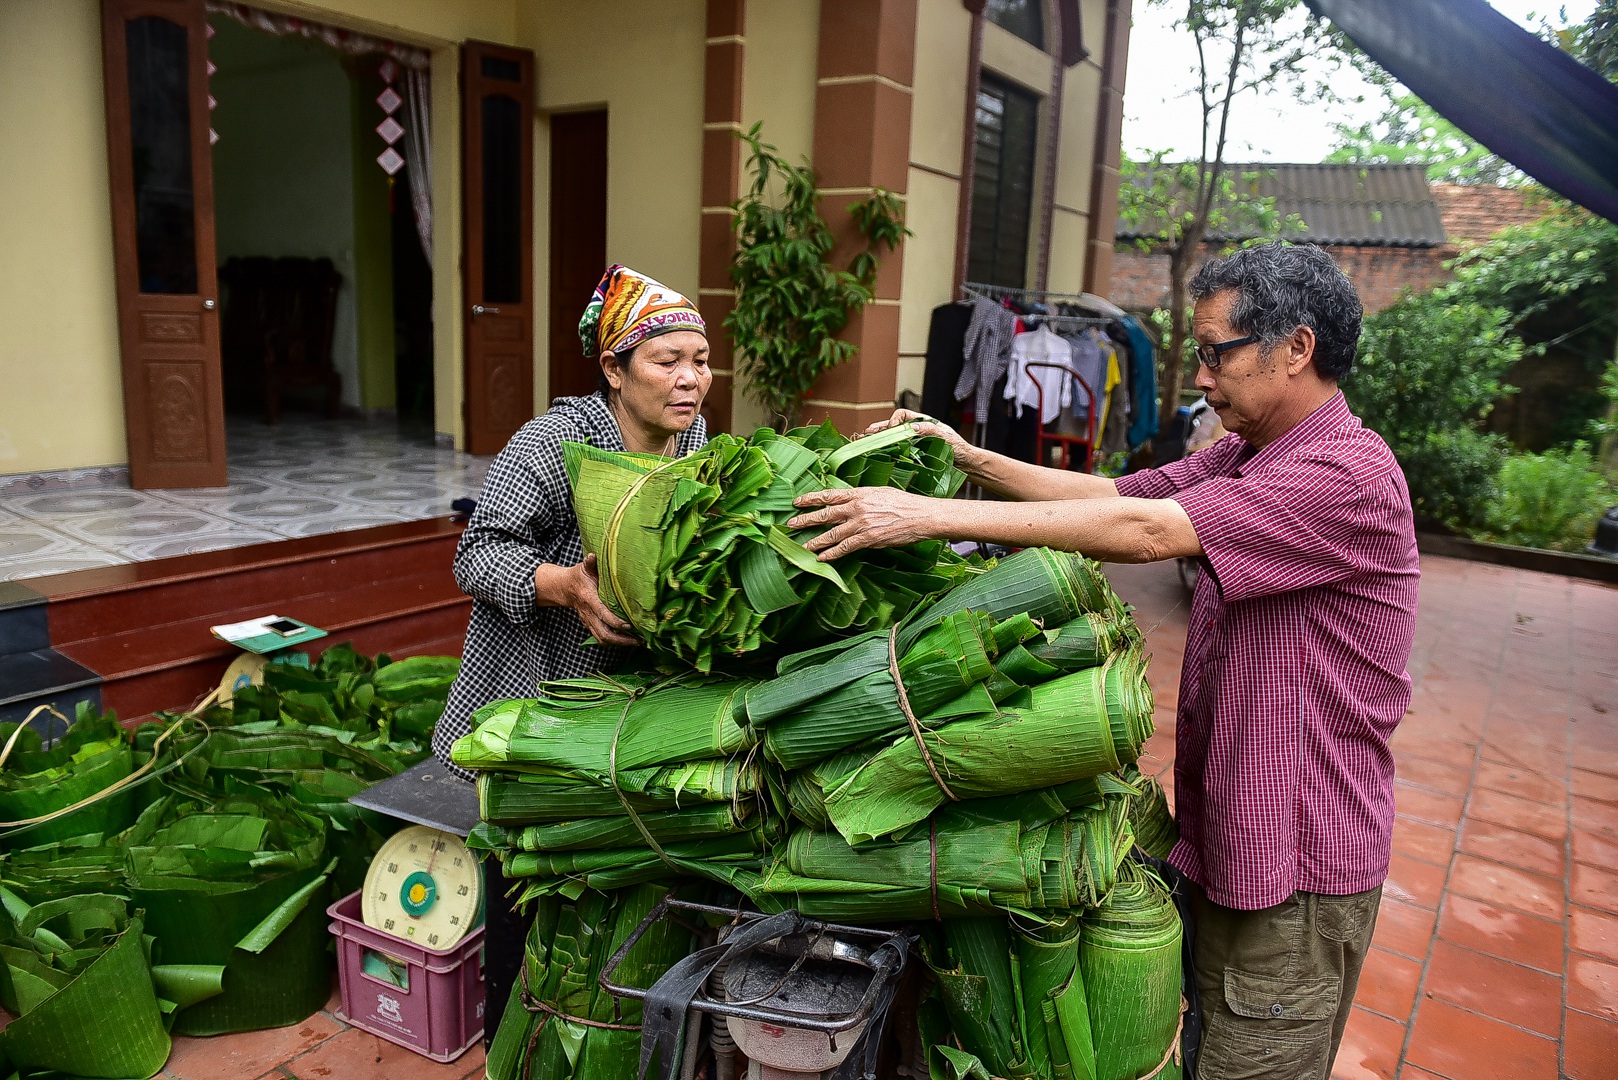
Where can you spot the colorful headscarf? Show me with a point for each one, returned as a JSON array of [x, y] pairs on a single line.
[[628, 308]]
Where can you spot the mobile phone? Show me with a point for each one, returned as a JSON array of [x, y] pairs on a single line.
[[284, 627]]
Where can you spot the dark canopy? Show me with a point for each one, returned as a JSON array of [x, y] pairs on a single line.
[[1524, 99]]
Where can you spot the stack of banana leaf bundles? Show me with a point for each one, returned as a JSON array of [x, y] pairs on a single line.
[[191, 898], [960, 755]]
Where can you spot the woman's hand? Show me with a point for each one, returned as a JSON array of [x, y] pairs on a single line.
[[966, 455], [863, 518], [579, 588]]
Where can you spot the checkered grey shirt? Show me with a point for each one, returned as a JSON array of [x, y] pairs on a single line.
[[524, 518]]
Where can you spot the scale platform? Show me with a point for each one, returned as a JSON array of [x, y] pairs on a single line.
[[425, 794]]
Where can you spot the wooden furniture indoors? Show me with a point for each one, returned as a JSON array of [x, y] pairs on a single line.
[[277, 331]]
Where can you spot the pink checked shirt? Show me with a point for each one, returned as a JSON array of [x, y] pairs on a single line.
[[1294, 674]]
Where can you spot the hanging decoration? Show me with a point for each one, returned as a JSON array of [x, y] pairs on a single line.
[[390, 129], [213, 136]]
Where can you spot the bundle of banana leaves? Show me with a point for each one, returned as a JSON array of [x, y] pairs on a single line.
[[694, 552], [74, 975], [92, 755], [1051, 850], [236, 890], [569, 943], [1130, 954], [606, 782], [1076, 997], [1150, 818], [1024, 677]]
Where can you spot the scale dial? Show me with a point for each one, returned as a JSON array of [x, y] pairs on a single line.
[[424, 887]]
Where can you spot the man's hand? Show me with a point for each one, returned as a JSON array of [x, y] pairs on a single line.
[[580, 590], [864, 518], [967, 456]]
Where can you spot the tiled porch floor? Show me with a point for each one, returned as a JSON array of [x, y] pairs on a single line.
[[1496, 950], [301, 477]]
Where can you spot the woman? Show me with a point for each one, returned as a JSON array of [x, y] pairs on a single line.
[[534, 591]]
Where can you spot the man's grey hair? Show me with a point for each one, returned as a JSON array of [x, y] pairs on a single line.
[[1281, 287]]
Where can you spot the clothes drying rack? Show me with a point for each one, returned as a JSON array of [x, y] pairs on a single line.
[[1027, 297]]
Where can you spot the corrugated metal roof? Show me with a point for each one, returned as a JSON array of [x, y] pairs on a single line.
[[1354, 205]]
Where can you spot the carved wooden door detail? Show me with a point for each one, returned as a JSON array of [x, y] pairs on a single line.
[[156, 59], [497, 161]]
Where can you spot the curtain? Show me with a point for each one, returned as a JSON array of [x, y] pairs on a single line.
[[418, 153], [350, 42], [1524, 99]]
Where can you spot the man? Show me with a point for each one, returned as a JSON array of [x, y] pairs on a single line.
[[1300, 631]]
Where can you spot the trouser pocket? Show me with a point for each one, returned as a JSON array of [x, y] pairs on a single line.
[[1269, 1028]]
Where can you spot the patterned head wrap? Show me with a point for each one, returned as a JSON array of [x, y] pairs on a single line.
[[628, 308]]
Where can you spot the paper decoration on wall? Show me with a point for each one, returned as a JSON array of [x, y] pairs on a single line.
[[390, 130], [390, 100], [390, 160]]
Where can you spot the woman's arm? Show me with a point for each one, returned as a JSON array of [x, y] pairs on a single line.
[[501, 559]]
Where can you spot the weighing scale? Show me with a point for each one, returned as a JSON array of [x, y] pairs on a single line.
[[423, 886]]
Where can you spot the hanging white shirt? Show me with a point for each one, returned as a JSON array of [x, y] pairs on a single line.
[[1041, 346]]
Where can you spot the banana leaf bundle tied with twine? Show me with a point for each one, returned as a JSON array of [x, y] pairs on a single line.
[[694, 552], [1091, 996], [606, 782], [1027, 676], [559, 1023]]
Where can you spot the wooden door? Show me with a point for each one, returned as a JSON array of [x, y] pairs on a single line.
[[578, 242], [497, 161], [155, 54]]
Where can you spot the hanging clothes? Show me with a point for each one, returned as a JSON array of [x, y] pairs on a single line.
[[1047, 390], [946, 355], [986, 355], [1089, 353], [1143, 381]]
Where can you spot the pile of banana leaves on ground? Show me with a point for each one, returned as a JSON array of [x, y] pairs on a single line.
[[696, 554], [221, 854]]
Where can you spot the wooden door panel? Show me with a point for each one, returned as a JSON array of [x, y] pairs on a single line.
[[155, 57], [497, 154]]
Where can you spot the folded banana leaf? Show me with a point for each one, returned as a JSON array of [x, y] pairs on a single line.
[[1080, 725], [85, 864], [1130, 954], [1150, 817], [1030, 852], [239, 884], [73, 974], [568, 945], [92, 755], [695, 552], [534, 798]]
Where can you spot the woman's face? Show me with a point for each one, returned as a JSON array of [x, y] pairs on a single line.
[[662, 387]]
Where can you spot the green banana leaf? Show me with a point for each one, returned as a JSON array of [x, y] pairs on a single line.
[[1150, 817], [534, 798], [238, 884], [694, 551], [568, 945], [92, 755], [1130, 955], [73, 973]]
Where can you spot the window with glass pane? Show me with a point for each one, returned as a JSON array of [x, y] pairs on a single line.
[[160, 144], [502, 199], [1025, 18], [1002, 184]]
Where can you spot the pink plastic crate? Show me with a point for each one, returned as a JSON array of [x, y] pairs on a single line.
[[438, 1012]]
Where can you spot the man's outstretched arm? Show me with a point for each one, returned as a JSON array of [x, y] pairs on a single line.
[[1114, 529]]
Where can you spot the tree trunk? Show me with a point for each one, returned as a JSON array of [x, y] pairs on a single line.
[[1173, 366]]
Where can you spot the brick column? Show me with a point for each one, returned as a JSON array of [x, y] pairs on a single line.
[[862, 142], [721, 185]]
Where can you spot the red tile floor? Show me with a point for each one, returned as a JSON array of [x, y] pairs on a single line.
[[1496, 951]]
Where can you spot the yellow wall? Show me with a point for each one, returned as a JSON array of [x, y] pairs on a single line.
[[61, 399], [644, 62]]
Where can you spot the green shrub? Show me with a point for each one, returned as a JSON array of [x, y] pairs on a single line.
[[1428, 371], [1551, 500]]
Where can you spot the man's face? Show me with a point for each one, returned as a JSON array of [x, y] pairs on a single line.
[[1251, 381]]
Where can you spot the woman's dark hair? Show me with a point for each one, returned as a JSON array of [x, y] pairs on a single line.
[[1281, 287], [622, 359]]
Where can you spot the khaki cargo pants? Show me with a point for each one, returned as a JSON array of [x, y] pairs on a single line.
[[1277, 985]]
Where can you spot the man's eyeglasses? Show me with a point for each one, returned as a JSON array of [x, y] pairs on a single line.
[[1212, 355]]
